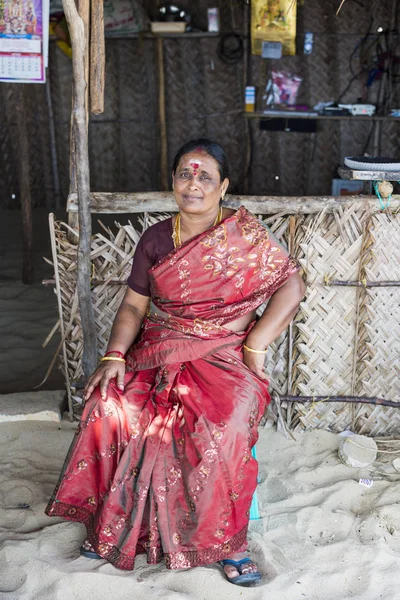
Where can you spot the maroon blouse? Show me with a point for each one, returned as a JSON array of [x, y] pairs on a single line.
[[155, 243]]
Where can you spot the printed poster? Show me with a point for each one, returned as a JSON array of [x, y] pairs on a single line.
[[273, 21], [24, 37]]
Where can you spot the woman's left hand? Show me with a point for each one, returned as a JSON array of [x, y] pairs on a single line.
[[255, 362]]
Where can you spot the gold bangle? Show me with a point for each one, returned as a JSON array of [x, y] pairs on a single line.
[[113, 358], [255, 351]]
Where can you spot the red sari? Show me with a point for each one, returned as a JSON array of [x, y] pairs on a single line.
[[166, 467]]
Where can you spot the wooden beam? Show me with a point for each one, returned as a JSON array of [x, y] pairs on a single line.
[[138, 202], [97, 57], [79, 44]]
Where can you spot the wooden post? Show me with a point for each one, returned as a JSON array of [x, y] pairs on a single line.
[[97, 58], [53, 145], [80, 154], [84, 13], [19, 109], [163, 122]]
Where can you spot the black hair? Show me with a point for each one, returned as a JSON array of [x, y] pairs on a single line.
[[211, 148]]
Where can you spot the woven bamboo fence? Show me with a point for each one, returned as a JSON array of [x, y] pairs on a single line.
[[345, 340]]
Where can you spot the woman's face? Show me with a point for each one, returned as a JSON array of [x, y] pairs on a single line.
[[197, 184]]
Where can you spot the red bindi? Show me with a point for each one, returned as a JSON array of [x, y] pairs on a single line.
[[195, 167]]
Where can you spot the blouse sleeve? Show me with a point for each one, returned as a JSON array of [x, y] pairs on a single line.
[[138, 280]]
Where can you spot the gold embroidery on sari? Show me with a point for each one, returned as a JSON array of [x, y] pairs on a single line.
[[132, 473], [254, 233], [122, 522], [210, 456], [135, 431], [223, 261], [176, 538], [265, 263], [184, 276], [108, 530], [215, 237]]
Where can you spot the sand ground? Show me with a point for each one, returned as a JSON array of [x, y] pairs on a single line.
[[321, 536]]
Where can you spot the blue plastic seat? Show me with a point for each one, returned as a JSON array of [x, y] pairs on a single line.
[[254, 512]]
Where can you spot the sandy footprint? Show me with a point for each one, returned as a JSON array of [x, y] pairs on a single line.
[[381, 524], [19, 493], [60, 542], [274, 490], [322, 526], [12, 576]]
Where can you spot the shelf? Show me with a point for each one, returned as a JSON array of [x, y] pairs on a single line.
[[153, 36], [353, 174], [306, 115]]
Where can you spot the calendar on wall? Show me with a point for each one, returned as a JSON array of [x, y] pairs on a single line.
[[24, 40]]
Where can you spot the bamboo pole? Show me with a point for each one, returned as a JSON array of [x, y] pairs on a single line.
[[97, 57], [364, 283], [53, 145], [292, 232], [94, 282], [79, 142], [60, 314], [349, 399], [19, 110], [163, 122], [365, 255]]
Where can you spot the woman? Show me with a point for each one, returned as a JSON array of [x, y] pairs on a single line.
[[162, 459]]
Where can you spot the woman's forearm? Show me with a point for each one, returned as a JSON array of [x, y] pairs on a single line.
[[128, 321], [280, 311], [126, 326]]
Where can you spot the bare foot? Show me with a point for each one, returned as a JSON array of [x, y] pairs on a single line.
[[249, 567], [87, 546]]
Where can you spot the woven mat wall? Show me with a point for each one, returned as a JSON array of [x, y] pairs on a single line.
[[345, 340]]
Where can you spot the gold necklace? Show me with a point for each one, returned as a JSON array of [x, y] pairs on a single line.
[[176, 235]]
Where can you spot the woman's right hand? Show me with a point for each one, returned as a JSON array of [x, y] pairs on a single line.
[[106, 371]]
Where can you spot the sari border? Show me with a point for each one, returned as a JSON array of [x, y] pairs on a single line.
[[198, 558], [155, 554]]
